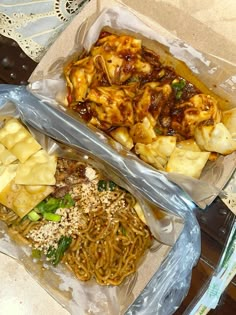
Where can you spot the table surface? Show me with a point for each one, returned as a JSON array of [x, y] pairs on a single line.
[[213, 236]]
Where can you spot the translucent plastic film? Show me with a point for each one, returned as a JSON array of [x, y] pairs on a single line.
[[161, 283]]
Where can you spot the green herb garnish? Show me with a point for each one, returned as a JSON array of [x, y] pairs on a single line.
[[66, 202], [52, 217], [33, 216], [104, 185], [178, 95], [49, 205], [112, 186], [47, 208], [56, 254], [178, 86]]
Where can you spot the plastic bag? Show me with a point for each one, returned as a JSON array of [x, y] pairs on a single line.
[[170, 283]]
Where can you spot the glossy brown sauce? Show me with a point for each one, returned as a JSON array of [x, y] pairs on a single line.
[[163, 108]]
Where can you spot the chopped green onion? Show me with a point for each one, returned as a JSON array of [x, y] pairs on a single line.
[[66, 202], [51, 252], [106, 185], [52, 217], [52, 204], [33, 216], [178, 95], [56, 254], [178, 85], [112, 185], [36, 253], [102, 185]]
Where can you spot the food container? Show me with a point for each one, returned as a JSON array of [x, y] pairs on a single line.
[[215, 75], [165, 287], [163, 277]]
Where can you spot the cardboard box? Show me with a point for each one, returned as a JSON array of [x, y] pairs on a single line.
[[215, 74]]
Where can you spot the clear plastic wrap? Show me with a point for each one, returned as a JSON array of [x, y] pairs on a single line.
[[161, 283]]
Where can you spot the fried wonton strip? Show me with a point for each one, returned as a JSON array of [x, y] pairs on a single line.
[[158, 152], [39, 169], [6, 157], [185, 162], [7, 173], [18, 140], [21, 199], [189, 145]]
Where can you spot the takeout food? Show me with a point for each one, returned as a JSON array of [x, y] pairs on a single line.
[[26, 170], [67, 210], [123, 88]]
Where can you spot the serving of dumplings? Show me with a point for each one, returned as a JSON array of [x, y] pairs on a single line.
[[123, 88]]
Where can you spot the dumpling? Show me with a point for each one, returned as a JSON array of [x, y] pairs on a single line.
[[79, 76], [186, 116], [112, 106], [143, 132], [158, 152], [151, 99], [215, 138], [121, 57]]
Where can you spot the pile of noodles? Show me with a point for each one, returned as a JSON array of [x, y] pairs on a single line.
[[108, 241]]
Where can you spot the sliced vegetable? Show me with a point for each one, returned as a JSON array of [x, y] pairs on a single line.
[[178, 84], [33, 216], [52, 217], [50, 205], [112, 186], [66, 202], [47, 208], [102, 185], [178, 95], [56, 254]]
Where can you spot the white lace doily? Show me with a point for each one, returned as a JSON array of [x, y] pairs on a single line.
[[34, 24]]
